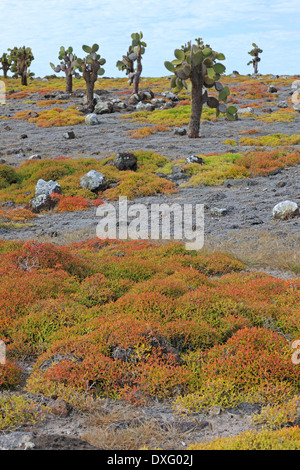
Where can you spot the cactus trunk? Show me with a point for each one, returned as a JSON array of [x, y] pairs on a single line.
[[197, 105], [24, 79], [69, 83], [137, 75], [255, 66], [90, 95]]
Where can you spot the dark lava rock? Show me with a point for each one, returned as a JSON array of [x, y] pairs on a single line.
[[125, 161]]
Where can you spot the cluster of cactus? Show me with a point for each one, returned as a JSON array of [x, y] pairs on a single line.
[[127, 64], [91, 68], [134, 54], [254, 53], [21, 58], [67, 65], [5, 64], [196, 69]]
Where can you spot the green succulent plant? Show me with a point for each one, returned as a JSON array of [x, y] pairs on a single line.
[[126, 64], [196, 67], [21, 59], [134, 54], [91, 68], [67, 65], [5, 64], [254, 53]]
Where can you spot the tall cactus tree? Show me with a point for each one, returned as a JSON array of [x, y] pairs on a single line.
[[198, 64], [67, 65], [91, 68], [5, 64], [22, 58], [134, 54], [127, 64], [254, 53]]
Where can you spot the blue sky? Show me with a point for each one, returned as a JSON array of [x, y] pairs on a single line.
[[229, 26]]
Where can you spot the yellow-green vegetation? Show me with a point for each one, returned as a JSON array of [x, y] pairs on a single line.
[[282, 115], [215, 170], [52, 117], [178, 116], [18, 184], [283, 439], [17, 410], [271, 140], [229, 142], [277, 416]]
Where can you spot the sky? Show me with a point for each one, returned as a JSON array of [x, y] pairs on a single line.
[[228, 26]]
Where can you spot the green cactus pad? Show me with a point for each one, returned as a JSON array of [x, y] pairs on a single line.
[[207, 51], [169, 66], [87, 49], [219, 68], [179, 54], [231, 110]]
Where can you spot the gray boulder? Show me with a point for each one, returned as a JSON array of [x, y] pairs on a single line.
[[218, 211], [157, 101], [144, 106], [170, 96], [180, 131], [245, 110], [43, 202], [194, 159], [35, 157], [93, 180], [285, 210], [282, 104], [47, 187], [103, 107], [69, 135], [91, 119]]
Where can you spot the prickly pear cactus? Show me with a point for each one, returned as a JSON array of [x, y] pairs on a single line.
[[126, 64], [134, 54], [67, 65], [5, 64], [91, 68], [196, 67], [254, 53], [21, 57]]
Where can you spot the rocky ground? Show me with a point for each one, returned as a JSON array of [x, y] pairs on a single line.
[[245, 227]]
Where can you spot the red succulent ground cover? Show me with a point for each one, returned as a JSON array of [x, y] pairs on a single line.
[[135, 320]]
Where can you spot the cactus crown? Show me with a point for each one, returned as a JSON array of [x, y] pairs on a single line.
[[135, 52], [201, 61], [126, 64], [5, 59], [68, 61], [254, 53], [21, 56], [92, 61]]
